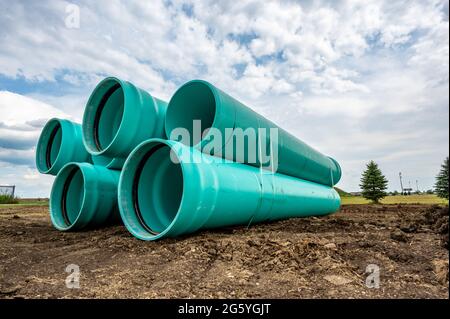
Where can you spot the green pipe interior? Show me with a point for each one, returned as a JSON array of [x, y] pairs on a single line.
[[69, 199], [157, 189], [49, 146], [107, 103], [72, 196], [53, 145], [195, 102]]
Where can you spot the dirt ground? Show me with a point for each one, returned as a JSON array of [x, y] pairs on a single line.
[[297, 258]]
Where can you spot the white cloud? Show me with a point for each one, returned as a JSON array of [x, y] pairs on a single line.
[[28, 183], [17, 157], [313, 67], [261, 47], [21, 121], [31, 175], [16, 109]]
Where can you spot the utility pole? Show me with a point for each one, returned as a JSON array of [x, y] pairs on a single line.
[[417, 185], [401, 182]]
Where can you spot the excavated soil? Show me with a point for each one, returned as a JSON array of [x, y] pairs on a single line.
[[298, 258]]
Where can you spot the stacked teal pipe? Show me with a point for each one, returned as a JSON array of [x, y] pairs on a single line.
[[200, 100], [60, 143], [119, 116], [168, 189], [122, 163], [76, 201], [84, 196]]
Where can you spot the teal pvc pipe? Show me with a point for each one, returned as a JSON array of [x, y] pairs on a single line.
[[167, 189], [118, 116], [60, 142], [111, 163], [200, 100], [84, 196]]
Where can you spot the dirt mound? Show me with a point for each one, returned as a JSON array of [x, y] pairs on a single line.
[[329, 257], [437, 217]]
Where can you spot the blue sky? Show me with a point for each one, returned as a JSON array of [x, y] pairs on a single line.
[[358, 80]]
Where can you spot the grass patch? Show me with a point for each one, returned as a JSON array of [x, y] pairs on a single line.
[[398, 199], [24, 202], [8, 199], [343, 193]]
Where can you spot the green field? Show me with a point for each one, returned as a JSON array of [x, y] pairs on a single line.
[[8, 199], [27, 202], [346, 200], [398, 199]]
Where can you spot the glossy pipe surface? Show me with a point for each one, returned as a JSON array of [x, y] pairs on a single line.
[[167, 189], [218, 111]]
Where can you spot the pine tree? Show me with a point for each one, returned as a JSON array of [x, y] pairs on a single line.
[[442, 181], [373, 183]]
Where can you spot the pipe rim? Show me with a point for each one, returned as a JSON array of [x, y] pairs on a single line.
[[59, 214], [131, 213], [338, 171], [93, 115], [170, 110], [51, 133]]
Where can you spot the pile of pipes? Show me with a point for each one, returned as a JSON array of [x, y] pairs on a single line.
[[168, 169]]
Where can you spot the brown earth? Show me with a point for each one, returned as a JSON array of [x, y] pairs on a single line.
[[297, 258]]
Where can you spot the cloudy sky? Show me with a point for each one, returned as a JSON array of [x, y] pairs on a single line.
[[358, 80]]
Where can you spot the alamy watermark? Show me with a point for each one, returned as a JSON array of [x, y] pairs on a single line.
[[72, 19], [251, 146], [373, 278], [73, 279]]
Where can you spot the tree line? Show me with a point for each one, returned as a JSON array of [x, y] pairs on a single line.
[[374, 184]]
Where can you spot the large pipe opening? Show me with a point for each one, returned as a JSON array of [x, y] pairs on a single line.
[[103, 115], [153, 188], [49, 146], [72, 197], [67, 197], [53, 146], [157, 188], [193, 101]]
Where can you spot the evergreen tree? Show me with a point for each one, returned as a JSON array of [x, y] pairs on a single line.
[[373, 183], [442, 181]]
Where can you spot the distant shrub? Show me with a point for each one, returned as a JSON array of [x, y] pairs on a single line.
[[442, 181], [8, 199], [373, 183]]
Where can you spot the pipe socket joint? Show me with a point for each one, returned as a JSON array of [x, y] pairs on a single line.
[[119, 116], [84, 196], [60, 142]]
